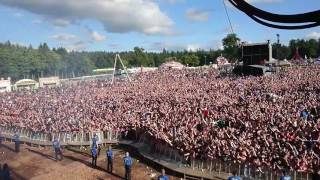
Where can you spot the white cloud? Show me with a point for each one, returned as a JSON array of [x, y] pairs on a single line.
[[64, 37], [174, 46], [313, 35], [58, 22], [121, 16], [95, 36], [77, 46], [36, 21], [197, 15], [173, 1], [18, 15]]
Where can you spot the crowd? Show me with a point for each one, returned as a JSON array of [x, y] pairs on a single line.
[[269, 121]]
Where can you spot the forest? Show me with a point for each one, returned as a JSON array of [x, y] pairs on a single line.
[[20, 62]]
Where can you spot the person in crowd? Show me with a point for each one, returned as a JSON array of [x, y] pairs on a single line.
[[127, 165], [94, 155], [109, 154], [270, 121], [57, 149], [163, 175]]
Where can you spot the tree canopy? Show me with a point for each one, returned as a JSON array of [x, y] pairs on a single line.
[[28, 62]]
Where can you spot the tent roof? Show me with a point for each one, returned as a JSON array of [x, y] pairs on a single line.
[[24, 82], [172, 64]]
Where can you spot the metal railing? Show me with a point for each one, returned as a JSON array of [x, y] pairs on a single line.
[[214, 167], [76, 139], [204, 168]]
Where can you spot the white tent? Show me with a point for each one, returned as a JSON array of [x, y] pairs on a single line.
[[172, 65], [285, 62], [317, 61], [222, 61], [26, 84]]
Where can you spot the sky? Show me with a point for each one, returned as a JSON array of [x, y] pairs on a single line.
[[120, 25]]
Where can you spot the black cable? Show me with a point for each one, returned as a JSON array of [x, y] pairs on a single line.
[[307, 20], [225, 7]]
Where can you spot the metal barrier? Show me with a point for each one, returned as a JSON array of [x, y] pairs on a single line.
[[76, 139], [162, 151], [210, 167]]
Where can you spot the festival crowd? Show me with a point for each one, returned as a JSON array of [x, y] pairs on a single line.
[[269, 121]]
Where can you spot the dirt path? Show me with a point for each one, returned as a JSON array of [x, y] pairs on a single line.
[[39, 163]]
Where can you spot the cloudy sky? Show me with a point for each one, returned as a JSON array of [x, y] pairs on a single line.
[[117, 25]]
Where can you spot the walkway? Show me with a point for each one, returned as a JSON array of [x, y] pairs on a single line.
[[174, 167]]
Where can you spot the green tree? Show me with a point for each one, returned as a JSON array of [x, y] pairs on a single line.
[[230, 45], [190, 60]]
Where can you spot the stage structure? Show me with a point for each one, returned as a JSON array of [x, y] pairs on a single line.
[[254, 57], [256, 54], [116, 59]]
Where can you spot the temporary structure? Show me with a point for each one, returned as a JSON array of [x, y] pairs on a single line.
[[29, 84], [297, 59], [171, 65], [222, 61]]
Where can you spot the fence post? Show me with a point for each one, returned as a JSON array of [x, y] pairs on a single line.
[[295, 175], [201, 165], [175, 155], [219, 167], [192, 163]]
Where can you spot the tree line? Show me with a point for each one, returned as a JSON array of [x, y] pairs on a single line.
[[20, 62]]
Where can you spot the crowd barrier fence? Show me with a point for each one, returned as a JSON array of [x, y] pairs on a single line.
[[77, 139], [218, 167], [161, 151]]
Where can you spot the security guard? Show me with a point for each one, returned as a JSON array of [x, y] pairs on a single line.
[[234, 176], [16, 139], [285, 176], [57, 149], [94, 141], [99, 149], [163, 176], [127, 165], [109, 159], [94, 154]]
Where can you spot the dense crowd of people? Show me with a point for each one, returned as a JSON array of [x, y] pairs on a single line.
[[268, 121]]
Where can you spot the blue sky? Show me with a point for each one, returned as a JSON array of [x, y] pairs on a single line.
[[118, 25]]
